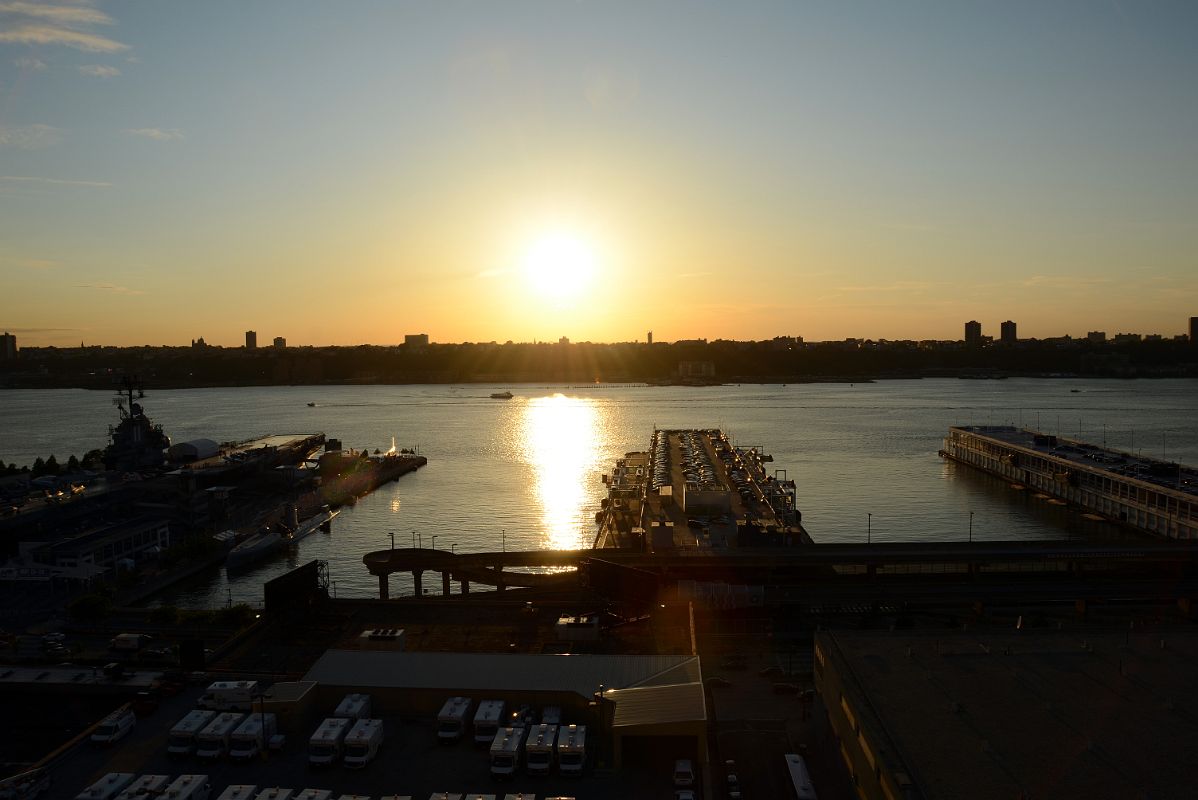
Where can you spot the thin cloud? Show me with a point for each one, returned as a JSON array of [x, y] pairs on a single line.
[[99, 71], [1063, 281], [31, 64], [110, 287], [158, 134], [29, 137], [51, 34], [63, 14], [18, 179]]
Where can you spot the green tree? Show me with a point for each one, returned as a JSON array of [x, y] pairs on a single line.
[[39, 467], [52, 467], [93, 459], [72, 464]]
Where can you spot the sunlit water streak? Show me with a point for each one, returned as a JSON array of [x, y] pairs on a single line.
[[526, 473]]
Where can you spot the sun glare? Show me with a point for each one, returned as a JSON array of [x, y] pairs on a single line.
[[560, 266]]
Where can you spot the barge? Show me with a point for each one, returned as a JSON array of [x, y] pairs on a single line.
[[693, 489], [1148, 495]]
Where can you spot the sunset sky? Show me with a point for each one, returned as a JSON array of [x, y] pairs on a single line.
[[340, 173]]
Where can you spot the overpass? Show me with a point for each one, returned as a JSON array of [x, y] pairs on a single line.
[[807, 572]]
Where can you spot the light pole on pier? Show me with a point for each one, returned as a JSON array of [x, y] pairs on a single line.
[[413, 540], [434, 541], [869, 525], [392, 539], [453, 548], [971, 526], [503, 540]]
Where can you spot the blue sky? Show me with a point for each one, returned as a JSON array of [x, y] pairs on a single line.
[[340, 173]]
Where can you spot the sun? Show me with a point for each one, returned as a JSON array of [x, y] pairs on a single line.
[[560, 266]]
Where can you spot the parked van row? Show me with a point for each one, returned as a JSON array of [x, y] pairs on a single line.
[[539, 748], [127, 786], [247, 792], [211, 735], [350, 735]]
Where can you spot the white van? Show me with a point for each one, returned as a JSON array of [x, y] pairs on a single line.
[[362, 742], [182, 738], [325, 745], [354, 706], [107, 787], [314, 794], [188, 787], [684, 772], [275, 793], [114, 727], [239, 791], [145, 786], [487, 720]]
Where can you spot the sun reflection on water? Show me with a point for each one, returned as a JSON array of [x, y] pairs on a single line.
[[561, 436]]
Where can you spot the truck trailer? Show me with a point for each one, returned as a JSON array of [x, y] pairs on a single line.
[[107, 787], [145, 786], [252, 737], [326, 743], [487, 720], [213, 741], [229, 696], [239, 791], [451, 721], [362, 743], [182, 738], [354, 706], [189, 787], [571, 749], [538, 750], [506, 750]]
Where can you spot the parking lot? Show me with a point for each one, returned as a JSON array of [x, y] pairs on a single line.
[[410, 762]]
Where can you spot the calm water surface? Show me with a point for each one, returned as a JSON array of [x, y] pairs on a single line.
[[526, 473]]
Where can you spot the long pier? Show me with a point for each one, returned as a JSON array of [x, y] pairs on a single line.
[[906, 568]]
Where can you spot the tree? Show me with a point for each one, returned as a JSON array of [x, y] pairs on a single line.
[[39, 467], [52, 467], [72, 464], [93, 459]]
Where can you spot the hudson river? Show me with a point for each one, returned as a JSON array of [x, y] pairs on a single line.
[[526, 472]]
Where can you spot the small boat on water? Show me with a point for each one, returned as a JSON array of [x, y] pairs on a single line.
[[501, 395], [275, 537], [311, 405]]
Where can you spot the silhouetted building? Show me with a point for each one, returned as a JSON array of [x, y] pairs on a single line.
[[650, 338], [8, 346], [198, 344], [280, 342], [251, 340], [973, 333], [420, 339], [564, 340], [1193, 330], [1096, 337], [1007, 336], [1127, 338]]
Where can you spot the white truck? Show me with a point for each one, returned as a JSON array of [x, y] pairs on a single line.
[[145, 786], [252, 736], [571, 749], [114, 727], [354, 706], [107, 787], [325, 745], [451, 721], [229, 696], [239, 791], [182, 738], [188, 787], [487, 720], [506, 749], [128, 642], [362, 743], [213, 741], [538, 750]]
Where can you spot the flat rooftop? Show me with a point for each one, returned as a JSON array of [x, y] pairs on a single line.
[[1095, 458], [1027, 714]]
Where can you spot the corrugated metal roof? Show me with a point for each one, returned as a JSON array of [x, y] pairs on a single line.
[[656, 705], [582, 673]]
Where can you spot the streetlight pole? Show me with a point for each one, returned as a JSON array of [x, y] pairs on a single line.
[[413, 540], [453, 548], [503, 539], [392, 539], [420, 540], [869, 525], [971, 526], [434, 541]]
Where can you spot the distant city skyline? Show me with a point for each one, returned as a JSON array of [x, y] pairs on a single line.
[[532, 170]]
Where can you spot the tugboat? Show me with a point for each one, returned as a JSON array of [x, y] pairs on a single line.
[[137, 443], [501, 395]]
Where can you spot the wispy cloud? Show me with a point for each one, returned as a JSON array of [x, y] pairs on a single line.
[[29, 263], [160, 134], [29, 63], [110, 287], [29, 137], [18, 179], [99, 71], [65, 24], [1063, 281]]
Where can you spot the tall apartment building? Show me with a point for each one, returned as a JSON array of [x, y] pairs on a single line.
[[1008, 333], [280, 342], [973, 333], [8, 346], [1194, 330], [251, 340]]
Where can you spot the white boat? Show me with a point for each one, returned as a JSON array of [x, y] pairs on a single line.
[[275, 537]]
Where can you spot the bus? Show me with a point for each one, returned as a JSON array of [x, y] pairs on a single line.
[[800, 780]]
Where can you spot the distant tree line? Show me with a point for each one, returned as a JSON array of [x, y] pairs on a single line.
[[93, 459]]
